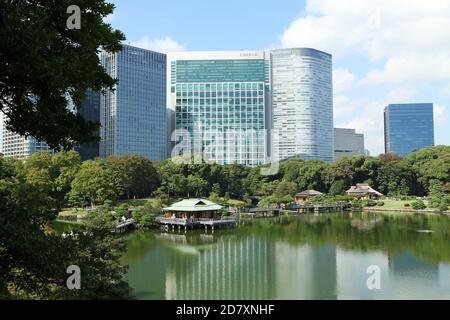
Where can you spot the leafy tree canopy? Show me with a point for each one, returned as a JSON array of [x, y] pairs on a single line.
[[43, 65]]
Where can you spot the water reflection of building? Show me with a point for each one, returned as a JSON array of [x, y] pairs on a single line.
[[254, 268], [305, 272], [226, 270], [147, 278], [410, 273], [352, 274]]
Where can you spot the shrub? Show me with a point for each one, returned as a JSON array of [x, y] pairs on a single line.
[[369, 203], [380, 203], [406, 205], [418, 205]]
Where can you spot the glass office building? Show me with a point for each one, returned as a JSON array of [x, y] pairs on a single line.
[[133, 116], [90, 110], [408, 127], [219, 102], [14, 145], [302, 104]]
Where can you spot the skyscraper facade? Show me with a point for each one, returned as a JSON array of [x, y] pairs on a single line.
[[90, 110], [133, 116], [219, 102], [14, 145], [408, 127], [302, 104], [347, 143], [252, 107]]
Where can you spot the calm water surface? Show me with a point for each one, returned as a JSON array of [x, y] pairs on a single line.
[[308, 257]]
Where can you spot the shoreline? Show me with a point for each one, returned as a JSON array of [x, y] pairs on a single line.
[[423, 211]]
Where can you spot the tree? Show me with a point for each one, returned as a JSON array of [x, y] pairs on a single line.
[[43, 65], [285, 188], [418, 205], [437, 197], [136, 174], [338, 187], [95, 182], [196, 185], [33, 261], [306, 174]]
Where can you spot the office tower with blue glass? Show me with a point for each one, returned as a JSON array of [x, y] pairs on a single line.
[[133, 116], [251, 107], [90, 110], [219, 103], [408, 127]]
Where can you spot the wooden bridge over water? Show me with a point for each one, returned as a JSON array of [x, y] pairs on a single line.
[[297, 209]]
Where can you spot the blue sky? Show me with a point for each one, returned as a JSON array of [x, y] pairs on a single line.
[[385, 51]]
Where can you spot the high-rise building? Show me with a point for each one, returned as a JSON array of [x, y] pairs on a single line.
[[219, 100], [17, 146], [133, 116], [348, 143], [302, 104], [14, 145], [90, 110], [408, 127], [251, 107]]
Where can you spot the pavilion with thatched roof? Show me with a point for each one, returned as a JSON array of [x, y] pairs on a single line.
[[303, 196], [364, 191]]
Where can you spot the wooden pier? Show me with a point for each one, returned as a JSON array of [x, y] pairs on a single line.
[[124, 226], [294, 209], [317, 208], [180, 223]]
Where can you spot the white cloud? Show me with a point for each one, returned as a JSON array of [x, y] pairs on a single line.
[[400, 95], [411, 34], [408, 40], [370, 123], [440, 114], [343, 80], [343, 106], [379, 27], [164, 45], [446, 90], [411, 68]]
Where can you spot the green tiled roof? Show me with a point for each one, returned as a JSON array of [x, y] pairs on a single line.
[[192, 205]]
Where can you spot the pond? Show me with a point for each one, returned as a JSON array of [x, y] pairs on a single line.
[[326, 256]]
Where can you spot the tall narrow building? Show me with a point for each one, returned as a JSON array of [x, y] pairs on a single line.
[[302, 104], [133, 116], [408, 127], [90, 110]]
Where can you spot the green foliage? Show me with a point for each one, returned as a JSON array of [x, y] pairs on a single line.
[[406, 205], [330, 199], [418, 205], [42, 62], [94, 183], [137, 177], [274, 200], [380, 203], [285, 188], [338, 187], [437, 196], [33, 260]]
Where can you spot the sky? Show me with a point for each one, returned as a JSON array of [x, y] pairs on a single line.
[[384, 51]]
